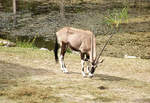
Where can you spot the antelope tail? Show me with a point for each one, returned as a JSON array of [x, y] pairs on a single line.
[[56, 50]]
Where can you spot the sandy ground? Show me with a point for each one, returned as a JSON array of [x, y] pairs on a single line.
[[31, 76]]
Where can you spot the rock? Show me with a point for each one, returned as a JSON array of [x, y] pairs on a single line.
[[130, 57], [101, 87], [7, 43], [43, 49]]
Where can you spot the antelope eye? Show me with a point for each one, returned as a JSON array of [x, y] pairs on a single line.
[[95, 66]]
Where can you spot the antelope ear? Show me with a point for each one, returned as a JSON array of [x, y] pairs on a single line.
[[101, 61]]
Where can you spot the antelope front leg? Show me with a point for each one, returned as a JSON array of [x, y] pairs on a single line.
[[82, 65], [88, 69]]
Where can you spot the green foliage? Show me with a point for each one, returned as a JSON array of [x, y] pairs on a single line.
[[26, 43], [69, 50], [117, 17]]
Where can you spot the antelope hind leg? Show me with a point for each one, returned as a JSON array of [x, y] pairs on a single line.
[[61, 59], [62, 64]]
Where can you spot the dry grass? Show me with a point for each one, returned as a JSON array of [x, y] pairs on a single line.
[[31, 76], [31, 94], [134, 43], [139, 19]]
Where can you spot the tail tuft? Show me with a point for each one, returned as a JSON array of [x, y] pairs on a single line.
[[56, 50]]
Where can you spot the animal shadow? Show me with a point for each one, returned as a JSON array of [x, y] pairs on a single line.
[[105, 77]]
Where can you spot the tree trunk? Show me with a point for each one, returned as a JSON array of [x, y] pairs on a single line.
[[14, 7], [62, 11], [14, 12]]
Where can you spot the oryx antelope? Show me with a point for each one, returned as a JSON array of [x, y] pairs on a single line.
[[79, 40]]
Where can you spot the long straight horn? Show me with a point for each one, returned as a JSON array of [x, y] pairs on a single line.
[[92, 52], [96, 62]]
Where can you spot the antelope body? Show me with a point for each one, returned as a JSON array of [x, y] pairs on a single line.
[[79, 40]]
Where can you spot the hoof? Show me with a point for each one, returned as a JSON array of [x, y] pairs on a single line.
[[66, 72], [90, 75], [84, 76]]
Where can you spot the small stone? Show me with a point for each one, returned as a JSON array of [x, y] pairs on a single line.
[[102, 87]]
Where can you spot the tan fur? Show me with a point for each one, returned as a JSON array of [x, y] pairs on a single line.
[[77, 39]]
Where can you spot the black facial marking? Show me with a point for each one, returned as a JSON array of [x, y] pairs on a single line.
[[92, 70]]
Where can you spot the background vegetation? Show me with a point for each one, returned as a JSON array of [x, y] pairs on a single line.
[[42, 18], [30, 75]]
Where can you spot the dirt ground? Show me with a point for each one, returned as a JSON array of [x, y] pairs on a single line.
[[31, 76]]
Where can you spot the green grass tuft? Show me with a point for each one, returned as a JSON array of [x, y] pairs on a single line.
[[117, 17], [25, 44]]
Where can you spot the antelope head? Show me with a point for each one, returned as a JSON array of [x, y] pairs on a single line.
[[94, 61], [94, 65]]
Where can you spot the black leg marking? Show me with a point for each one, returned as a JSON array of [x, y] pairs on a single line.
[[82, 64]]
